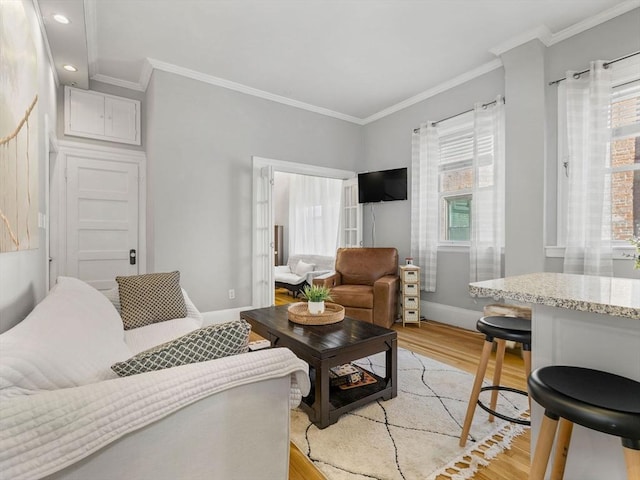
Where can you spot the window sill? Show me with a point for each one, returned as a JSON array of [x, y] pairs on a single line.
[[458, 247], [453, 247], [620, 252]]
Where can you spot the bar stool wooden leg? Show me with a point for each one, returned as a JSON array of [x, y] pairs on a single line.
[[475, 391], [526, 355], [563, 439], [632, 459], [497, 373], [543, 448]]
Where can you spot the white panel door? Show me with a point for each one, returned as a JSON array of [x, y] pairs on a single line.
[[351, 214], [102, 220]]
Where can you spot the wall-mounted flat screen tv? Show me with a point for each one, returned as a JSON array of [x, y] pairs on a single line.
[[382, 186]]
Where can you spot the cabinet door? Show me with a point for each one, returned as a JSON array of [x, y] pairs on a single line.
[[84, 113], [121, 122], [101, 116]]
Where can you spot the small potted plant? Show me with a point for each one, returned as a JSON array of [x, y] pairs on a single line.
[[316, 296]]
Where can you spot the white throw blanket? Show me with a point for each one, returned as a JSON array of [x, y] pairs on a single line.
[[50, 430]]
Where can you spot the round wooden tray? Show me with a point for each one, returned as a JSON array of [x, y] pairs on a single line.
[[299, 313]]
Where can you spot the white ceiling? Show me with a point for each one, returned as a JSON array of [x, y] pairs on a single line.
[[354, 59]]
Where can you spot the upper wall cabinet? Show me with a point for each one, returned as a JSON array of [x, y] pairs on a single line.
[[104, 117]]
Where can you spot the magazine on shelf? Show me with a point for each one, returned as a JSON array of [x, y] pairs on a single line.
[[367, 379], [346, 374]]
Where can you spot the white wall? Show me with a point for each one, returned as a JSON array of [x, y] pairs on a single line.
[[525, 158], [200, 140], [22, 274]]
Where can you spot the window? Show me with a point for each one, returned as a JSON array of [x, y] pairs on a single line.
[[625, 162], [623, 168], [456, 174], [457, 191], [455, 178], [458, 218]]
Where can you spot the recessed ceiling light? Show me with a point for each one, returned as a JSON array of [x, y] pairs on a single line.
[[70, 68], [58, 17]]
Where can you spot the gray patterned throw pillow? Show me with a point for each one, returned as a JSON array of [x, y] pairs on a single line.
[[150, 298], [208, 343]]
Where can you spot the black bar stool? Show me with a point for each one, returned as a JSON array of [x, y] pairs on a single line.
[[597, 400], [500, 329]]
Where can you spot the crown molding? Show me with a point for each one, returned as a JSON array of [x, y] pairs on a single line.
[[45, 38], [454, 82], [238, 87], [591, 22], [145, 74], [541, 33], [118, 82]]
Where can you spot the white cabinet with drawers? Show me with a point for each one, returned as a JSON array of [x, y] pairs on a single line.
[[410, 294], [101, 116]]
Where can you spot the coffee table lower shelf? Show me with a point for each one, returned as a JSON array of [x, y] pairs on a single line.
[[342, 401], [326, 346]]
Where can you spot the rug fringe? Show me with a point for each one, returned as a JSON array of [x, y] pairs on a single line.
[[479, 455]]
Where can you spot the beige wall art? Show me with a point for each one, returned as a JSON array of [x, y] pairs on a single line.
[[18, 130]]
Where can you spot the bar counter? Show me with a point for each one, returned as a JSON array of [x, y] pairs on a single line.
[[585, 321]]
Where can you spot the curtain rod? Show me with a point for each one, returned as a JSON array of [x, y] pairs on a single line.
[[605, 65], [484, 105]]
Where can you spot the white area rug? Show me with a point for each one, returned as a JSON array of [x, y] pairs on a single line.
[[413, 436]]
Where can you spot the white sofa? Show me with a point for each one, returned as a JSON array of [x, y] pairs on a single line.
[[65, 415], [295, 275]]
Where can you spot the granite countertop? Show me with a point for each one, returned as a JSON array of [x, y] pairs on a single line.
[[605, 295]]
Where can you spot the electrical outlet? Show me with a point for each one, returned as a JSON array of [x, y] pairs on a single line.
[[232, 294]]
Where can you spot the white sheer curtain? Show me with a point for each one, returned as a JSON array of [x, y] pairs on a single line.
[[487, 204], [425, 158], [314, 215], [487, 207], [588, 239]]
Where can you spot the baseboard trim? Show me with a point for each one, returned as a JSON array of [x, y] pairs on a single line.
[[222, 316], [456, 316]]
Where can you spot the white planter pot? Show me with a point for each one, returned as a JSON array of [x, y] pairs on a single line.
[[315, 308]]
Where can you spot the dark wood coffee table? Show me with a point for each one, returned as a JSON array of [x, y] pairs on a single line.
[[325, 346]]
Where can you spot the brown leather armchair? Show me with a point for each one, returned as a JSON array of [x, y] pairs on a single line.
[[365, 283]]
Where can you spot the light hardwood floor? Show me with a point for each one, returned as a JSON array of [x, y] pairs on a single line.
[[461, 349]]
